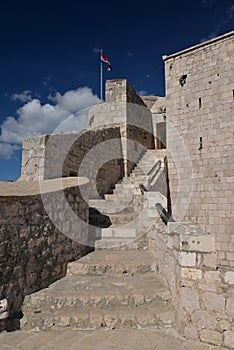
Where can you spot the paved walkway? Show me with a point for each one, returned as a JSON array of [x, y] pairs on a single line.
[[99, 340]]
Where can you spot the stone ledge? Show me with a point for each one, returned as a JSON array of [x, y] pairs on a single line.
[[191, 238]]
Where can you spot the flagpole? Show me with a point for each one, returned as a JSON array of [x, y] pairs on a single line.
[[101, 79]]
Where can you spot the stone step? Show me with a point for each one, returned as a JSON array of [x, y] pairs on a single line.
[[111, 197], [156, 315], [123, 218], [124, 194], [120, 186], [114, 262], [98, 292], [119, 232], [109, 206], [94, 298], [122, 244]]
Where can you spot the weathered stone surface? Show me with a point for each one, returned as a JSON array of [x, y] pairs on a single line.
[[191, 274], [193, 114], [187, 259], [204, 320], [34, 254], [229, 277], [213, 301], [229, 339], [211, 337], [189, 298], [230, 306]]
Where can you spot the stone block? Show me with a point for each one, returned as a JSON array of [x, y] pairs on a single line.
[[211, 281], [229, 277], [212, 337], [187, 259], [191, 332], [204, 320], [200, 243], [209, 260], [189, 299], [230, 306], [213, 301], [229, 339], [191, 274]]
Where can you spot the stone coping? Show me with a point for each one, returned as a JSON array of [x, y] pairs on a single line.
[[30, 188], [201, 45]]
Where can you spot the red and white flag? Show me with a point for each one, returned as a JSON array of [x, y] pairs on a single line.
[[105, 60]]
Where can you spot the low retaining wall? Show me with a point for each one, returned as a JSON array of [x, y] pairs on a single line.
[[33, 252], [202, 293]]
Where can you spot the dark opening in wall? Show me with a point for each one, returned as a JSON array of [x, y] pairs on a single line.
[[200, 102], [233, 94], [200, 144], [183, 79]]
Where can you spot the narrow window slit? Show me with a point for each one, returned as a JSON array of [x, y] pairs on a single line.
[[200, 102], [200, 144]]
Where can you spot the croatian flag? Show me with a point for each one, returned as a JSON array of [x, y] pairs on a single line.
[[105, 60]]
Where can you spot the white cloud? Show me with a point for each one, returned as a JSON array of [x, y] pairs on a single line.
[[69, 113], [74, 100], [24, 96], [230, 12], [207, 3], [7, 151], [142, 93], [223, 22]]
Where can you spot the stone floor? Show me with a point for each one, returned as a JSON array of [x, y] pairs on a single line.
[[150, 339]]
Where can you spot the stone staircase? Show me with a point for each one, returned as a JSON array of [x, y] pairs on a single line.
[[117, 285], [127, 225], [148, 169], [105, 289]]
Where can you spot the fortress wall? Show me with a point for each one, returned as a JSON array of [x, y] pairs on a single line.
[[125, 107], [93, 153], [34, 253], [61, 155], [119, 90], [32, 166], [200, 101]]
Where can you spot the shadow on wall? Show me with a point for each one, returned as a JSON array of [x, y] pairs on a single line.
[[34, 253]]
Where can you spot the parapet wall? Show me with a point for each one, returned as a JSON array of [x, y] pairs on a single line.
[[63, 155], [200, 101], [34, 252], [202, 294]]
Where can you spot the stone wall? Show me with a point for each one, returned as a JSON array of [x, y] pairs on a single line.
[[32, 165], [119, 90], [200, 100], [202, 293], [157, 105], [125, 107], [33, 251], [98, 150]]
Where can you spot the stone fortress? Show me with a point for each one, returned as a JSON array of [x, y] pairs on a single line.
[[151, 181]]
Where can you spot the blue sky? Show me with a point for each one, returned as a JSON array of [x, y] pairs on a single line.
[[49, 62]]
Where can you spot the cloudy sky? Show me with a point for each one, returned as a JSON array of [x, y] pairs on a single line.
[[49, 62]]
